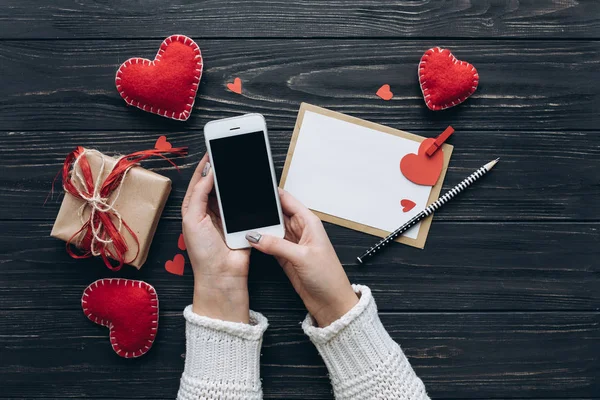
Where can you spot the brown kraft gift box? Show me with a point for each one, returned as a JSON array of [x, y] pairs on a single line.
[[140, 203]]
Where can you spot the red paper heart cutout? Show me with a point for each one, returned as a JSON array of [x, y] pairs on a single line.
[[384, 92], [407, 205], [445, 81], [128, 308], [420, 168], [162, 144], [175, 266], [236, 86], [167, 85], [181, 242]]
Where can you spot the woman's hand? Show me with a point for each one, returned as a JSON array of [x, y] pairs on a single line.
[[309, 261], [220, 274]]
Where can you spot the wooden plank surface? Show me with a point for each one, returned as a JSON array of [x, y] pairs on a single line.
[[525, 85], [349, 18], [465, 266], [504, 302], [467, 355], [542, 176]]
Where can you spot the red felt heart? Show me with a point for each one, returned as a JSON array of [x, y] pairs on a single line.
[[445, 81], [128, 308], [407, 205], [167, 85], [181, 242], [162, 144], [175, 266], [384, 92], [236, 86], [420, 168]]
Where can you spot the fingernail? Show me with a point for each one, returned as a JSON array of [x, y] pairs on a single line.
[[206, 169], [253, 237]]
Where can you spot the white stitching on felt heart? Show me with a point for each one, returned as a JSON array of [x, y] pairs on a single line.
[[113, 341], [184, 115], [425, 88]]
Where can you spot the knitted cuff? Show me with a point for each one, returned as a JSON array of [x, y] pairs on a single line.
[[362, 359], [222, 356]]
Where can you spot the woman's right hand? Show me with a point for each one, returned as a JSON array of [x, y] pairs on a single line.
[[309, 260]]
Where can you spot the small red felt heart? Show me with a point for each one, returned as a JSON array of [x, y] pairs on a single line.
[[385, 93], [407, 205], [445, 81], [175, 266], [128, 308], [181, 242], [167, 85], [420, 168], [236, 86], [162, 144]]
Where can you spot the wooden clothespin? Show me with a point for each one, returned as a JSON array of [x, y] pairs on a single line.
[[440, 140]]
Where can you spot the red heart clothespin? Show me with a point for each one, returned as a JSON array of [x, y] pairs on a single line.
[[439, 141]]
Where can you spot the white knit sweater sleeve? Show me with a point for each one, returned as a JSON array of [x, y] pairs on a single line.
[[363, 360], [222, 359]]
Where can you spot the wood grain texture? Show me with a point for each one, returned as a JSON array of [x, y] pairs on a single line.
[[469, 355], [349, 18], [525, 85], [542, 175], [465, 266], [504, 301]]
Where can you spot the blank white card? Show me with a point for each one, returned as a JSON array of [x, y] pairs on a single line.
[[353, 172]]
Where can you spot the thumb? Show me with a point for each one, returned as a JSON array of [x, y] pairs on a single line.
[[274, 246]]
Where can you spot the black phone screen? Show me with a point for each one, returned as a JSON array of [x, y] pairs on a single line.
[[243, 173]]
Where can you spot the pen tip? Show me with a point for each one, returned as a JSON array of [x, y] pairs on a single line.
[[491, 164]]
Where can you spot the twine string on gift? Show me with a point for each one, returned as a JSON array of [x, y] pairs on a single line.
[[99, 235], [96, 202]]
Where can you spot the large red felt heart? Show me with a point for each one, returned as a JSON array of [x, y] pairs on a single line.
[[128, 308], [445, 81], [167, 85], [420, 168]]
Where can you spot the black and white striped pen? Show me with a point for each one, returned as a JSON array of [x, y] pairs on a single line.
[[429, 210]]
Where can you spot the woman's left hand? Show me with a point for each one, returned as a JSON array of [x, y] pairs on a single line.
[[220, 273]]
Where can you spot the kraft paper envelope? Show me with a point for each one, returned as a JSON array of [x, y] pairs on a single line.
[[347, 171]]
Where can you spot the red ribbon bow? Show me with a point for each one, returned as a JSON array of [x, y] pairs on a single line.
[[102, 234]]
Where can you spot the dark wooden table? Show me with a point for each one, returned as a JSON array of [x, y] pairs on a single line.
[[502, 303]]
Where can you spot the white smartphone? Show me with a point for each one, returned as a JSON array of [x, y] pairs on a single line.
[[245, 183]]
